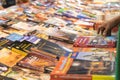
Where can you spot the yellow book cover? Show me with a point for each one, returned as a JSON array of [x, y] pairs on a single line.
[[103, 77], [10, 58]]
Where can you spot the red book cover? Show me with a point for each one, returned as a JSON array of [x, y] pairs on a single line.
[[95, 41]]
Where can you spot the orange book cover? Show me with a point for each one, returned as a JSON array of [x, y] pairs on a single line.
[[61, 71], [10, 58]]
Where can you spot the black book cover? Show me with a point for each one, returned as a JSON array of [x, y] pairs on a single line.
[[8, 3], [50, 48]]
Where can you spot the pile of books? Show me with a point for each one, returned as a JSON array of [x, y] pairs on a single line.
[[59, 39]]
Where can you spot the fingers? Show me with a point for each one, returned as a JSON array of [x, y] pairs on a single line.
[[101, 30], [105, 31]]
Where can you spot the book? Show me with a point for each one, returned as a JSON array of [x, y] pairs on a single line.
[[36, 62], [4, 70], [50, 49], [7, 3], [4, 42], [24, 46], [61, 71], [37, 34], [33, 39], [62, 34], [89, 63], [95, 41], [12, 30], [14, 37], [24, 26], [2, 34], [10, 58], [20, 73]]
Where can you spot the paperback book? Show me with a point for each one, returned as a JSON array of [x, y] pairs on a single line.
[[33, 39], [24, 46], [10, 58], [4, 70], [86, 64], [14, 37], [4, 42], [36, 62], [19, 73], [50, 49], [95, 41]]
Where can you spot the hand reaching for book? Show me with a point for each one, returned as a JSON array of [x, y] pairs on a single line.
[[106, 28]]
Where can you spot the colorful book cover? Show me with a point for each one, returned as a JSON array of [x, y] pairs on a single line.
[[49, 48], [24, 46], [4, 42], [63, 35], [14, 37], [31, 38], [10, 58], [95, 41], [61, 71], [38, 34], [4, 70], [36, 62], [23, 26], [89, 62], [94, 54], [12, 30], [19, 73]]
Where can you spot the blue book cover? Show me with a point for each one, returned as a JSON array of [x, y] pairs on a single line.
[[14, 37]]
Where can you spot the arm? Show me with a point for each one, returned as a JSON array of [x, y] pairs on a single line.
[[105, 28]]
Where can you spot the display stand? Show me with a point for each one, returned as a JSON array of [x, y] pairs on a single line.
[[117, 75]]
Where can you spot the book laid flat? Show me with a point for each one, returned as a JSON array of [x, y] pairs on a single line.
[[4, 42], [19, 73], [14, 37], [86, 64], [49, 48], [24, 46], [4, 70], [36, 62], [10, 58], [62, 35], [95, 41]]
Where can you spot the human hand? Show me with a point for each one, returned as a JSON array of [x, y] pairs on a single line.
[[105, 29]]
